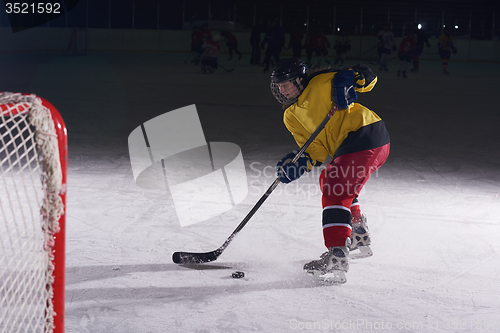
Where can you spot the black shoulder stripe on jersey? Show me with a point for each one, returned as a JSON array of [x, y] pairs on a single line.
[[367, 137]]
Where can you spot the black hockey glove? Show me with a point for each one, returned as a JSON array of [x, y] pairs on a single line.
[[288, 172], [343, 93]]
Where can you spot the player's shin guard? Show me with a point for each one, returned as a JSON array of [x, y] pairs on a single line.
[[336, 225]]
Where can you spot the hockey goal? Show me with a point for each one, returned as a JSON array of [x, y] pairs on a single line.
[[33, 164]]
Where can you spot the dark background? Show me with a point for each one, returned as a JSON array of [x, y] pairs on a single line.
[[473, 19]]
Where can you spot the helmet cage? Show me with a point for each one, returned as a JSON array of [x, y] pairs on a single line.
[[297, 82], [291, 70]]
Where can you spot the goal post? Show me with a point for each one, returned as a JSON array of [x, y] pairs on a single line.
[[33, 178], [59, 249]]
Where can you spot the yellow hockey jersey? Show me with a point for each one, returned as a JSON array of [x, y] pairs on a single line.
[[354, 129], [445, 42]]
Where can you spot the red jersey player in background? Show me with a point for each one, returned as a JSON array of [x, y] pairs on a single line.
[[232, 44], [405, 53], [320, 46], [211, 49]]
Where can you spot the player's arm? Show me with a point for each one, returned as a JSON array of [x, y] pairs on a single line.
[[285, 169], [346, 83], [364, 78]]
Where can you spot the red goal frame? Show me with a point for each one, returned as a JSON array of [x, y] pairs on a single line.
[[59, 248]]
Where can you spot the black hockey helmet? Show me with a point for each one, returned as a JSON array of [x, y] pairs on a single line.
[[292, 70]]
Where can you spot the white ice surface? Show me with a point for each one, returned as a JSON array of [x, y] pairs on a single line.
[[433, 209]]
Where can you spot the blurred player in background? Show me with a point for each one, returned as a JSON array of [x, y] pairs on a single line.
[[320, 46], [275, 40], [386, 44], [232, 44], [342, 45], [445, 47], [211, 49], [405, 54], [419, 46]]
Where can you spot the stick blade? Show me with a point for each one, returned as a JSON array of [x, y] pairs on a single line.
[[195, 258]]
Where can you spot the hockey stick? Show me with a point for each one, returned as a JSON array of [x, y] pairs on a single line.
[[224, 68], [199, 258]]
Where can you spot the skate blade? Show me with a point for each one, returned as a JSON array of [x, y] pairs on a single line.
[[334, 277], [364, 252]]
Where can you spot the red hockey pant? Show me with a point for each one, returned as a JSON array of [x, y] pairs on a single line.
[[340, 183]]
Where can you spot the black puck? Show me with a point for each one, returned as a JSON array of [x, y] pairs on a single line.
[[238, 275]]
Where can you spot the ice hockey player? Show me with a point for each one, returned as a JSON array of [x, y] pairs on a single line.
[[421, 39], [445, 47], [232, 44], [355, 137], [196, 47], [386, 44], [405, 53], [210, 55], [342, 45], [275, 40]]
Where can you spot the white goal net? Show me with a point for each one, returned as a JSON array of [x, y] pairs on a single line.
[[32, 197]]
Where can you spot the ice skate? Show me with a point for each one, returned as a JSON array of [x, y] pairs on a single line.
[[360, 238], [332, 265]]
